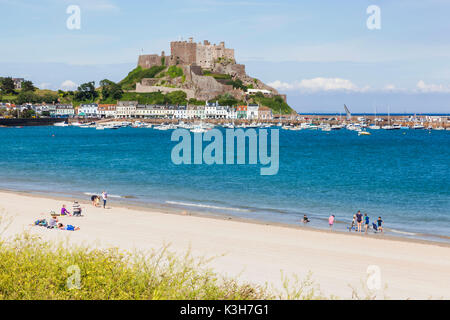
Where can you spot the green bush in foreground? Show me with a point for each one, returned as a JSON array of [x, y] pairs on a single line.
[[33, 269]]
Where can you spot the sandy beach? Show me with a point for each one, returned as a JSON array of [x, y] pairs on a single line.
[[255, 252]]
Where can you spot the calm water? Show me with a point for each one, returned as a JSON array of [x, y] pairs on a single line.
[[401, 175]]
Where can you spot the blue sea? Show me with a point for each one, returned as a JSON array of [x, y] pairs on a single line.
[[401, 175]]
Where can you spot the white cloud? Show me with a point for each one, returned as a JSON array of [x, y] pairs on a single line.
[[68, 85], [432, 88], [319, 84], [44, 85]]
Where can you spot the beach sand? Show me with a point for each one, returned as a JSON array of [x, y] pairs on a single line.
[[256, 252]]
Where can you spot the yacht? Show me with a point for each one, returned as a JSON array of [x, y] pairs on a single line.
[[418, 126], [61, 124]]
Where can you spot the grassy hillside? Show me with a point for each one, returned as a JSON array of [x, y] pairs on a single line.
[[137, 74], [275, 103]]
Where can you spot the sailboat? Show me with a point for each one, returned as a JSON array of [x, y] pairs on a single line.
[[388, 127], [375, 126]]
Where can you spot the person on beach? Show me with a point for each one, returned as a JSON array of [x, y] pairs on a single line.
[[104, 197], [305, 219], [366, 222], [53, 222], [69, 227], [331, 221], [380, 224], [64, 211], [353, 225], [359, 220], [76, 209], [94, 199]]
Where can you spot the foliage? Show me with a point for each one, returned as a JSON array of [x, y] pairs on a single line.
[[111, 91], [174, 72], [39, 96], [226, 100], [237, 84], [196, 102], [275, 103], [176, 97], [28, 86], [137, 74], [86, 92], [7, 85], [34, 269]]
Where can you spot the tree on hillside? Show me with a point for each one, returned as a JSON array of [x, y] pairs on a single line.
[[176, 97], [86, 92], [27, 97], [28, 86], [7, 85], [110, 90], [226, 100]]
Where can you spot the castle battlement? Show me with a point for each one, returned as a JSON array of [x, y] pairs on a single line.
[[189, 53]]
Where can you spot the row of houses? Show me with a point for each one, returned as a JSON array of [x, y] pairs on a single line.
[[132, 109]]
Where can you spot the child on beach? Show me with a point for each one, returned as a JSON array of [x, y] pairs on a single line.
[[380, 224], [366, 222], [331, 221], [353, 223], [305, 219]]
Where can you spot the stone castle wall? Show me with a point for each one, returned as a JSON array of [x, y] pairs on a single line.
[[189, 53]]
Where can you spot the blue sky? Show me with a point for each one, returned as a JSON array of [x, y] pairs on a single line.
[[320, 53]]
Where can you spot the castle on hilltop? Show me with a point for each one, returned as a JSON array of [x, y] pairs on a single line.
[[189, 53]]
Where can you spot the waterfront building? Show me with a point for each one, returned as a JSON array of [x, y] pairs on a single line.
[[62, 111], [252, 111], [265, 113], [191, 112], [210, 110], [126, 109], [242, 112], [181, 112], [232, 113], [106, 110], [88, 110]]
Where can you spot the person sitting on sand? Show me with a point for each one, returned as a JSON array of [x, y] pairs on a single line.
[[380, 224], [64, 211], [53, 222], [76, 208], [331, 221], [69, 227], [305, 219]]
